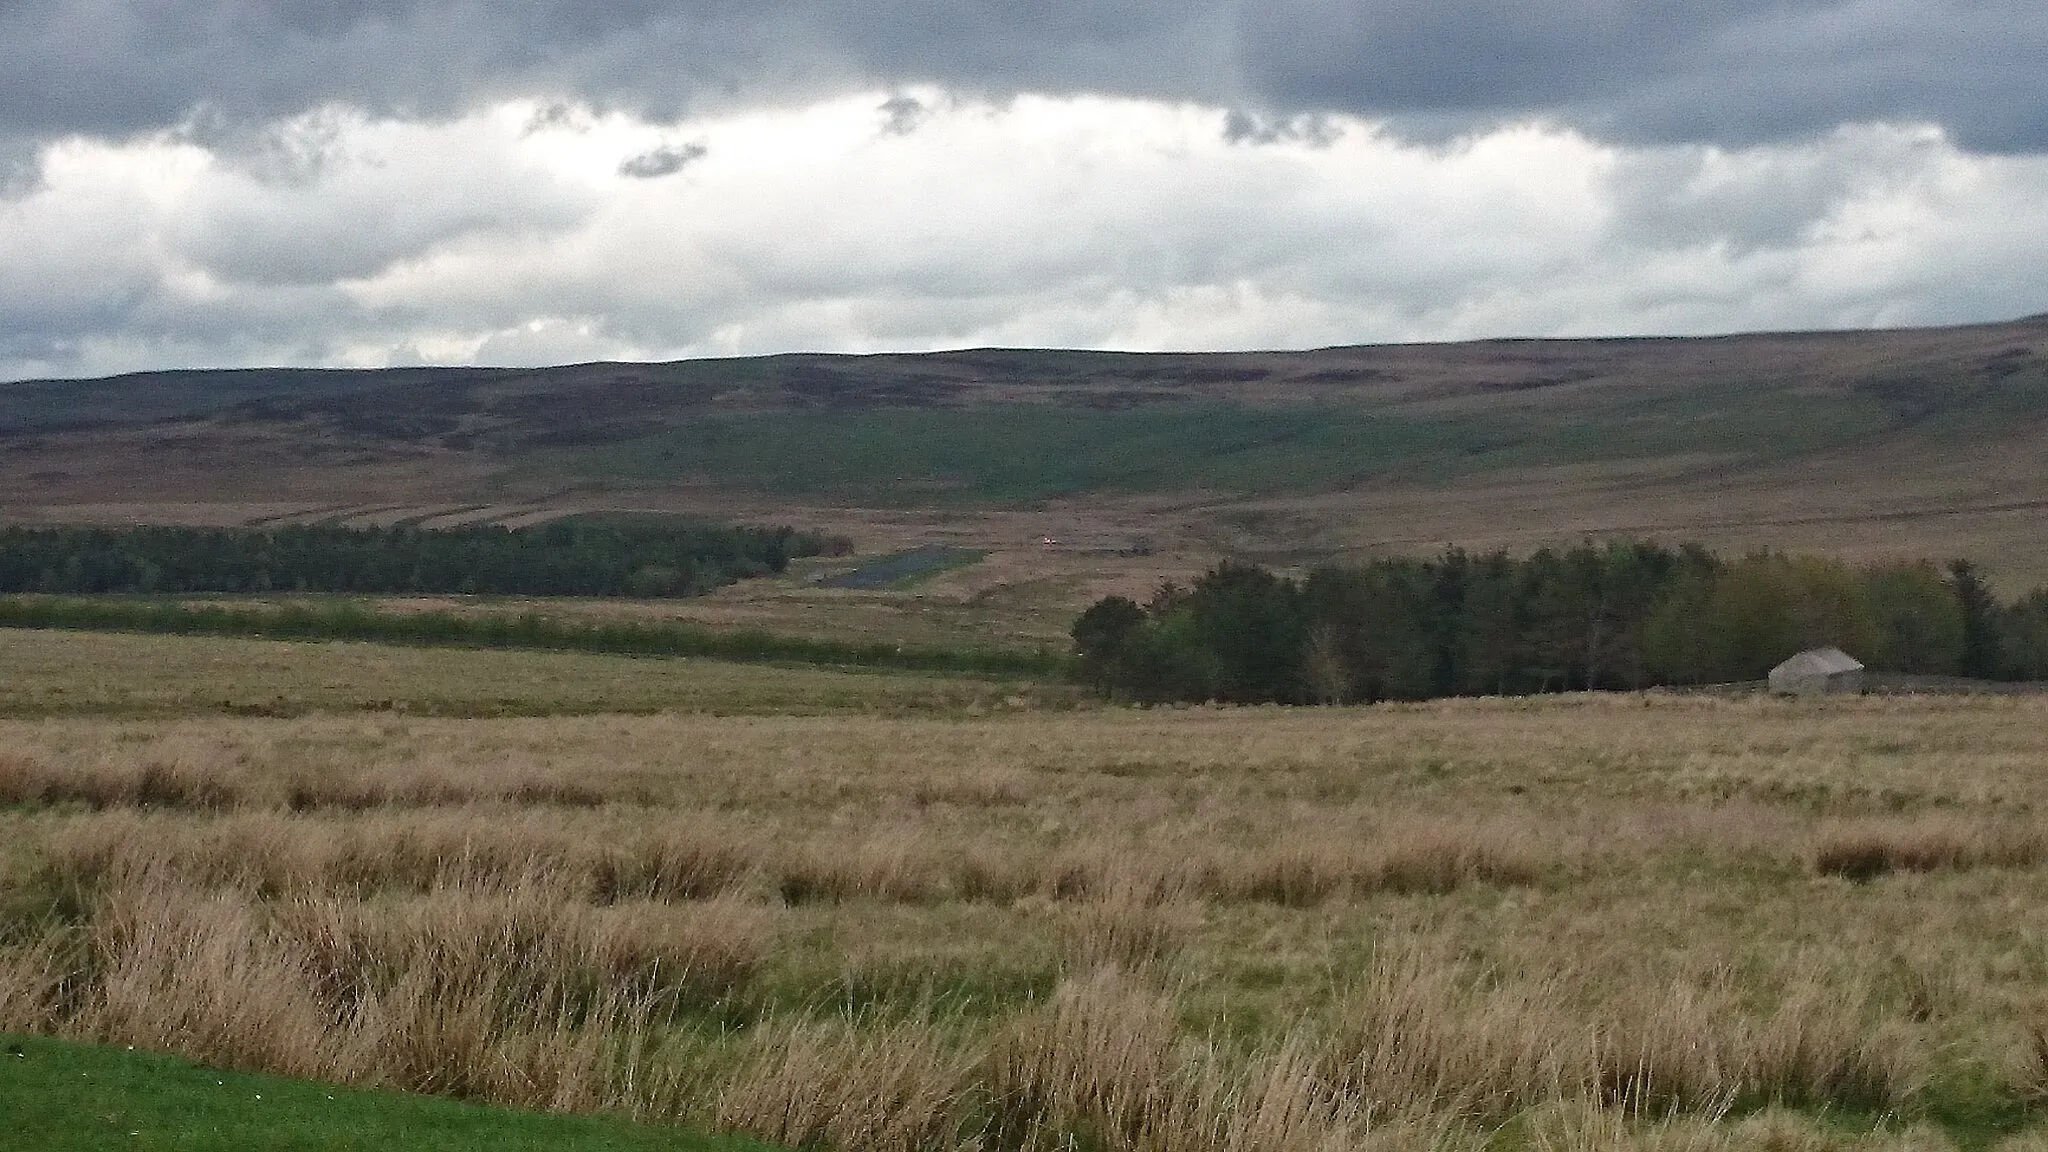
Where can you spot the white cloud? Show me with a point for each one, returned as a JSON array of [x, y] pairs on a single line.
[[519, 234]]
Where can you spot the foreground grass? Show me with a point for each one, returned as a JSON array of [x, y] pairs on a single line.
[[1572, 923], [59, 1097]]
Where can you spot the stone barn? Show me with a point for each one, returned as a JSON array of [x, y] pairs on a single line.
[[1818, 672]]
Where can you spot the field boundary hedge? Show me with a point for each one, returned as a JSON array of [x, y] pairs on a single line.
[[524, 631]]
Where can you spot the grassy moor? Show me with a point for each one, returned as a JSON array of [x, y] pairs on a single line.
[[929, 917], [834, 846]]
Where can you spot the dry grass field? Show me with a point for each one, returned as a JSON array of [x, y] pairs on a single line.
[[928, 916]]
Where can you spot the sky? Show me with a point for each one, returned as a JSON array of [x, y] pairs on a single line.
[[217, 183]]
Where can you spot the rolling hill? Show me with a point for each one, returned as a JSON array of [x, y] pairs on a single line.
[[1926, 441]]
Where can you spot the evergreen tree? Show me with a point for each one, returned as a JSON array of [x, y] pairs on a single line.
[[1982, 646], [1101, 637], [1919, 618], [1250, 622]]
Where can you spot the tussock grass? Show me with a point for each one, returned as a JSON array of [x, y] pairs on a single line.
[[198, 785], [1589, 1128], [611, 858], [1869, 848], [516, 998], [1415, 856], [807, 1083], [1120, 932], [1565, 924], [1426, 1027]]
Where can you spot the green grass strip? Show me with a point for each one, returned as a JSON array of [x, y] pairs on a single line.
[[353, 622], [59, 1097]]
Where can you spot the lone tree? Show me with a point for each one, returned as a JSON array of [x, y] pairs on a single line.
[[1101, 636]]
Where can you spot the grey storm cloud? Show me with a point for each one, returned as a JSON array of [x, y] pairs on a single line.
[[1722, 71], [902, 114], [1242, 127], [1673, 71], [666, 160], [18, 164]]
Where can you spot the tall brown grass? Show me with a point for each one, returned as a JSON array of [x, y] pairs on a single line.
[[1426, 1027], [1868, 848], [694, 856], [1102, 1064], [1588, 925], [515, 997], [182, 782], [520, 996]]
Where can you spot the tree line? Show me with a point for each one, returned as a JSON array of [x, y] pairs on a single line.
[[1618, 615], [596, 556]]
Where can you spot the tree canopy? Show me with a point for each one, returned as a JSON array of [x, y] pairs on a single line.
[[599, 556], [1616, 615]]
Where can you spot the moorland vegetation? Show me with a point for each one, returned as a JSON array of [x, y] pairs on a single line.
[[350, 619], [1578, 922], [931, 913], [1618, 615]]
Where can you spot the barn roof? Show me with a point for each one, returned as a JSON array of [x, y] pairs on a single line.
[[1820, 662]]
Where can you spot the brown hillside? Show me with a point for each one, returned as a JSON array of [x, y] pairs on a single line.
[[1866, 444]]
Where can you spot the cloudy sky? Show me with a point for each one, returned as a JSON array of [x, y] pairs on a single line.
[[320, 182]]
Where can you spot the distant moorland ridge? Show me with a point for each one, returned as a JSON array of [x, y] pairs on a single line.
[[1860, 443]]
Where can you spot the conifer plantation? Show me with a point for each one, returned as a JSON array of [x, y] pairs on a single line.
[[1614, 616], [598, 556]]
